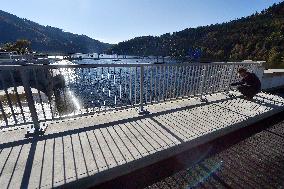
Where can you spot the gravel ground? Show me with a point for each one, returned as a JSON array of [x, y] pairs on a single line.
[[252, 157]]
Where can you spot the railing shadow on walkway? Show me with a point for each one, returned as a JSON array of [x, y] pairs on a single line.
[[201, 167], [51, 141]]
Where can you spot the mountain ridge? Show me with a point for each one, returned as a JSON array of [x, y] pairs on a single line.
[[46, 38]]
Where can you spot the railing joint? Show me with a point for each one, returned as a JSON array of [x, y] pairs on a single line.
[[35, 132]]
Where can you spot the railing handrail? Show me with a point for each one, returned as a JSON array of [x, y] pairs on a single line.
[[54, 66], [112, 85]]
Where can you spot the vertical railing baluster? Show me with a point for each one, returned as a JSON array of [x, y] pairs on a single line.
[[211, 77], [155, 87], [146, 83], [175, 78], [70, 80], [126, 86], [63, 91], [108, 84], [187, 90], [171, 83], [213, 83], [3, 113], [228, 70], [196, 80], [135, 86], [216, 78], [187, 81], [17, 95], [177, 82], [218, 87], [142, 111], [151, 85], [38, 92], [161, 84], [85, 82], [8, 98], [231, 77], [49, 89], [91, 78], [25, 79], [164, 82], [79, 85], [207, 79], [202, 81], [184, 83], [181, 81], [120, 84], [130, 86], [222, 78], [167, 78]]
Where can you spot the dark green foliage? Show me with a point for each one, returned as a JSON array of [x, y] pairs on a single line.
[[21, 46], [45, 38], [256, 37]]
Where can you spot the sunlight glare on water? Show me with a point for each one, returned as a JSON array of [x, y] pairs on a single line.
[[69, 76]]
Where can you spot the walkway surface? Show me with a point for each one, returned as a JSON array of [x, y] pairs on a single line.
[[254, 162], [90, 150]]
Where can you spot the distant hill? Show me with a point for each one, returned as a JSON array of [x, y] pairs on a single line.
[[257, 37], [46, 38]]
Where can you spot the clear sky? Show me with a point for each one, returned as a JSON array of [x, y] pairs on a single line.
[[113, 21]]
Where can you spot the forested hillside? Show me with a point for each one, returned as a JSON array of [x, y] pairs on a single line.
[[45, 38], [256, 37]]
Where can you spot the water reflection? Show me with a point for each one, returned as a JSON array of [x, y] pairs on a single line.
[[99, 88]]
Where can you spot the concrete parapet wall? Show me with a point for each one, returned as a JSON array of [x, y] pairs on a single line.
[[273, 79]]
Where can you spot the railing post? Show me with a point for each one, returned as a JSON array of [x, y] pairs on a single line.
[[141, 107], [36, 130], [227, 92], [203, 85], [260, 70], [141, 87]]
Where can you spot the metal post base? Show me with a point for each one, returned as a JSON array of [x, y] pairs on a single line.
[[34, 132], [230, 94], [203, 100], [143, 112]]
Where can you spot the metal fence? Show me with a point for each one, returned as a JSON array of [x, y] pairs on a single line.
[[38, 93]]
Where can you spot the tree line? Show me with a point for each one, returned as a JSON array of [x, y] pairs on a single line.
[[256, 37]]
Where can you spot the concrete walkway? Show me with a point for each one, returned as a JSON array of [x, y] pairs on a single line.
[[251, 157], [90, 150]]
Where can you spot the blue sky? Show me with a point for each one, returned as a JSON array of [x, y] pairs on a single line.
[[113, 21]]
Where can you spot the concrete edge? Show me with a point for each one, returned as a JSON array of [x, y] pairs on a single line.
[[274, 89]]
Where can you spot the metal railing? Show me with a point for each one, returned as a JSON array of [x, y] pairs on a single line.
[[34, 94]]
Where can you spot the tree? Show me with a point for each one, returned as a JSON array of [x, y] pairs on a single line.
[[257, 37], [21, 46], [274, 59]]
